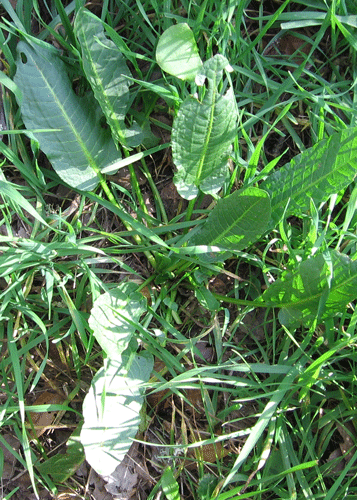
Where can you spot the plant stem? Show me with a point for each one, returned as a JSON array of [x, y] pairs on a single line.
[[136, 237]]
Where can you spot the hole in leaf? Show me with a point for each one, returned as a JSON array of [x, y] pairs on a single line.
[[23, 58], [102, 123]]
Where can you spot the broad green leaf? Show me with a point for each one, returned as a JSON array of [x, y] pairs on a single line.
[[325, 169], [111, 410], [170, 486], [206, 299], [113, 317], [236, 221], [202, 135], [177, 52], [301, 293], [75, 143], [107, 72], [62, 466]]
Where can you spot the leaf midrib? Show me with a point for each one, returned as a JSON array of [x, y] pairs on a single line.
[[318, 295], [304, 188], [213, 92], [234, 223], [67, 118]]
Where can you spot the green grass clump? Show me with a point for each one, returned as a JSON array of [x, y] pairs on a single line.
[[229, 310]]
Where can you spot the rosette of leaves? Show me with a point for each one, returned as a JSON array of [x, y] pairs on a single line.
[[204, 128]]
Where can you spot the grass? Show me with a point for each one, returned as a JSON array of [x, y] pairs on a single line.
[[238, 406]]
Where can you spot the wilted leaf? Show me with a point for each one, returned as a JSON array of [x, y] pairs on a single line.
[[42, 420], [75, 143], [113, 317], [202, 135], [124, 479], [111, 410]]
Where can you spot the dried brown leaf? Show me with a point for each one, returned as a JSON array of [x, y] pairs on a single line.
[[41, 421]]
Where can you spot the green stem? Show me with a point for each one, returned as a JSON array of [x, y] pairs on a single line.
[[241, 302], [191, 206], [112, 199], [155, 192], [135, 185]]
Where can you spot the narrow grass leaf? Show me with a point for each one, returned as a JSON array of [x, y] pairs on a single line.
[[332, 492], [262, 423], [66, 22], [7, 82], [236, 221], [27, 173], [202, 135], [82, 148], [19, 382], [325, 169], [107, 72], [10, 190], [109, 428]]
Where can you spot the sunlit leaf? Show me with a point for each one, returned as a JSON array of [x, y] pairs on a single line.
[[202, 134], [111, 410], [75, 143], [114, 315], [325, 169], [177, 52], [236, 221], [305, 290], [107, 72]]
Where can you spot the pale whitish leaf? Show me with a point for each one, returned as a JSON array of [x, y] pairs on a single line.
[[107, 72], [325, 169], [202, 134], [114, 315], [177, 52], [236, 221], [111, 410], [301, 293], [76, 145]]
